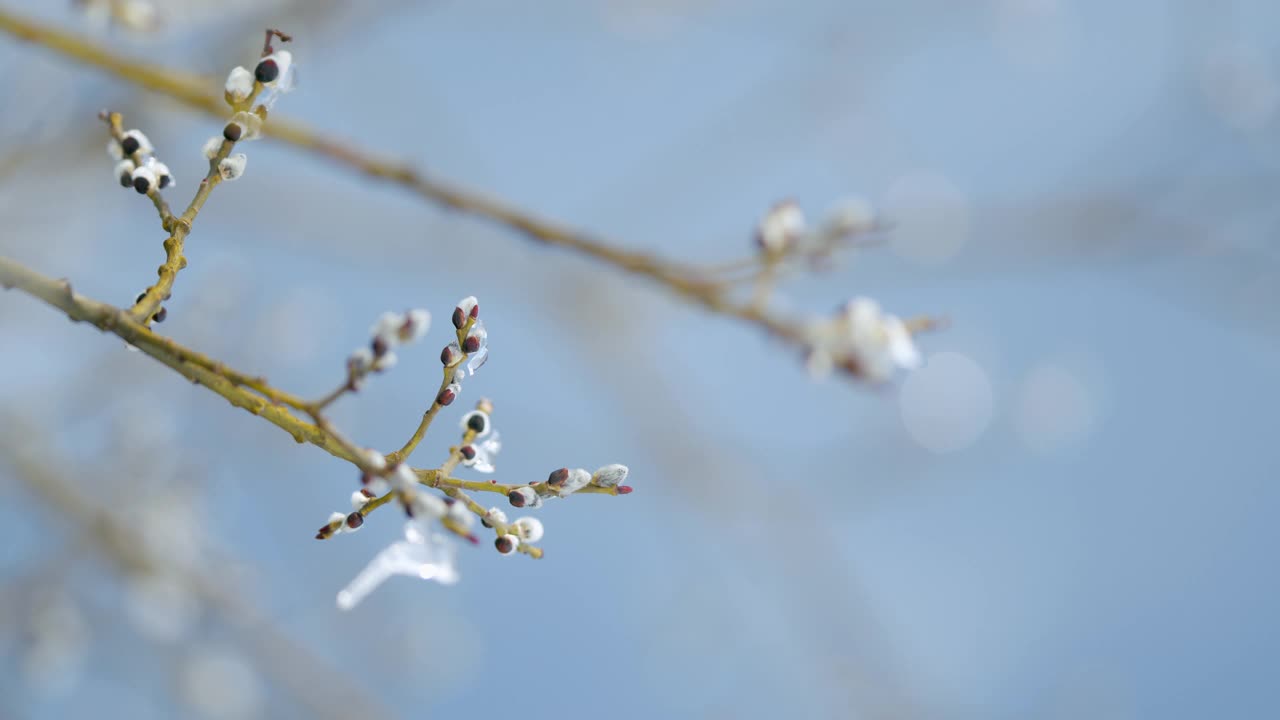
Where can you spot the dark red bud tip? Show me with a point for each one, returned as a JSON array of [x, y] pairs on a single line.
[[366, 478], [459, 319], [266, 71], [625, 489], [368, 493], [141, 185], [379, 347], [471, 344], [517, 500], [319, 536], [130, 145], [140, 296], [468, 452], [504, 544], [445, 397], [126, 180], [473, 539], [160, 315], [475, 310], [558, 477], [232, 132], [355, 520], [446, 355]]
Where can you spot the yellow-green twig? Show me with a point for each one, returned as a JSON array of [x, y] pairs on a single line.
[[190, 364], [685, 281]]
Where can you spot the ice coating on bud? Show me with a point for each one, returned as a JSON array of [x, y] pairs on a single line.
[[250, 125], [476, 337], [275, 70], [231, 168], [239, 85], [578, 479], [610, 476], [423, 554], [527, 528], [478, 360]]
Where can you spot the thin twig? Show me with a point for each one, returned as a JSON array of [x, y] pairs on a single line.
[[683, 280]]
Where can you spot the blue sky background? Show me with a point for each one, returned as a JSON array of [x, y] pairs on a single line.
[[1066, 513]]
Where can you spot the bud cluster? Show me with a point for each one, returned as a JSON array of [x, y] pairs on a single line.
[[564, 482], [270, 78], [389, 332], [137, 166], [861, 339], [783, 229], [471, 344]]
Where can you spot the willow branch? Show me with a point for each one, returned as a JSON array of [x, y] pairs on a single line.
[[685, 281], [192, 365]]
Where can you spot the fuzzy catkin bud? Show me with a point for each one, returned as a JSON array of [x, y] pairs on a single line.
[[135, 141], [124, 172], [476, 421], [578, 479], [144, 178], [273, 67], [448, 394], [211, 147], [232, 167], [610, 476], [557, 478], [529, 529], [451, 354], [506, 544], [239, 85], [359, 499], [524, 497], [494, 516], [468, 307]]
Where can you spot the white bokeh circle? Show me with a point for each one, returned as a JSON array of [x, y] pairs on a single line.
[[947, 404]]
